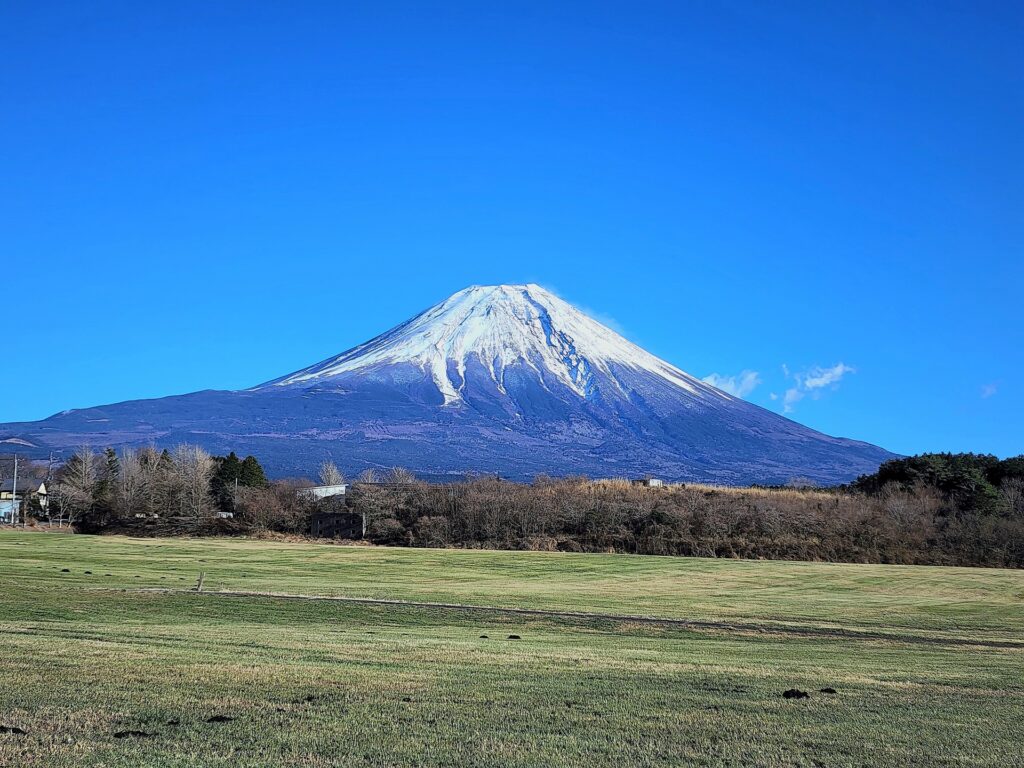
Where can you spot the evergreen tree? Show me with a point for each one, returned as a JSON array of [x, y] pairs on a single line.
[[110, 470], [229, 468], [227, 473], [105, 494], [166, 462], [1006, 469], [968, 479], [252, 475]]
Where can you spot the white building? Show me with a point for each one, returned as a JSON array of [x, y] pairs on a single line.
[[12, 499], [324, 491]]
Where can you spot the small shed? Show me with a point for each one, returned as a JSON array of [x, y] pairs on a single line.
[[337, 525], [650, 482]]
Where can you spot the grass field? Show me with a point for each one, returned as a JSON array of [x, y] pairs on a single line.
[[928, 663]]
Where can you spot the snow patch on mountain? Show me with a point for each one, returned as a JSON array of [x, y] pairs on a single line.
[[502, 326]]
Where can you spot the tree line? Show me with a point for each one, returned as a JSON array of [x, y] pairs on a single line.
[[185, 487], [940, 509], [182, 490], [896, 517]]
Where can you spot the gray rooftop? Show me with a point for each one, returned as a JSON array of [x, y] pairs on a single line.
[[6, 486]]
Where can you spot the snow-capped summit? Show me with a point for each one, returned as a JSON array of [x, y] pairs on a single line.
[[501, 326], [505, 379]]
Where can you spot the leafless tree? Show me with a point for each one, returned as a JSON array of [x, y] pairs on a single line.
[[897, 503], [368, 476], [80, 477], [193, 469], [1012, 491], [330, 474], [132, 487], [277, 508], [400, 476], [62, 504]]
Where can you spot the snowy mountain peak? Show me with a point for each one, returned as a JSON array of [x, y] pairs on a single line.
[[530, 386], [502, 326]]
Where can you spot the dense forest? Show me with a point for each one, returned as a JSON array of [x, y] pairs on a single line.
[[948, 509]]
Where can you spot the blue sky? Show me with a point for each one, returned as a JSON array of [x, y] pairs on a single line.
[[820, 205]]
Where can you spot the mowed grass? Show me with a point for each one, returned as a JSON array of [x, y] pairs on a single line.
[[86, 656], [961, 602]]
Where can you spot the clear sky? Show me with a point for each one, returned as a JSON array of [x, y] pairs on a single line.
[[820, 203]]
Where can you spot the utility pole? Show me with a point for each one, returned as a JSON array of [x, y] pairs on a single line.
[[49, 478], [14, 494]]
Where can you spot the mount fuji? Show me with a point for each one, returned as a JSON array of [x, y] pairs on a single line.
[[506, 379]]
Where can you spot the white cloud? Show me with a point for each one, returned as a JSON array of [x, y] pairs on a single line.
[[740, 385], [812, 382], [791, 398], [817, 377], [987, 390]]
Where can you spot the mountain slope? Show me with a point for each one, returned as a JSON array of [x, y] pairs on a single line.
[[506, 379], [500, 326]]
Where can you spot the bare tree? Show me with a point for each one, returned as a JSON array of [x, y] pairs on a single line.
[[159, 480], [131, 490], [62, 504], [80, 478], [1012, 490], [400, 476], [193, 469], [897, 503], [368, 476], [330, 474]]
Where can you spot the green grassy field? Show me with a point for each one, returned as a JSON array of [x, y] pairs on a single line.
[[928, 663]]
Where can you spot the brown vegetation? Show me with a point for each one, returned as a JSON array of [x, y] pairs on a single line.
[[938, 509], [895, 526]]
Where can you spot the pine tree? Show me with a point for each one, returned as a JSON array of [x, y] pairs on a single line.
[[165, 462], [228, 472], [229, 467], [252, 474], [106, 488], [109, 471]]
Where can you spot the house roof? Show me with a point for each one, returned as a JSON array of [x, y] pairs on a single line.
[[6, 486]]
